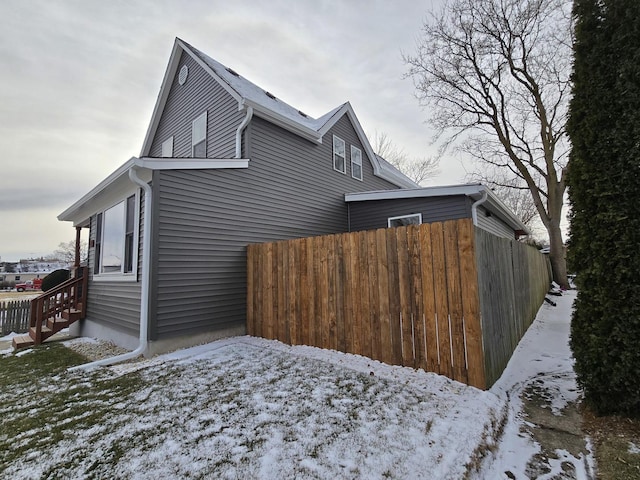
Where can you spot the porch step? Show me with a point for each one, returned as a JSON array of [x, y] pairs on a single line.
[[57, 324], [46, 332], [72, 315], [22, 341]]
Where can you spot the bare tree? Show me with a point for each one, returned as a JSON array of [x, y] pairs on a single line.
[[496, 74], [417, 169], [66, 251]]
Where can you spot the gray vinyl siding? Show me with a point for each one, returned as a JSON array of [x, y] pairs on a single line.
[[373, 214], [493, 224], [115, 304], [206, 218], [187, 102]]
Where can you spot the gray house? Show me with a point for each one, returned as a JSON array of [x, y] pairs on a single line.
[[224, 164]]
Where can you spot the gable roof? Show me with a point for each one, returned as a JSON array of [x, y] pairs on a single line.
[[268, 107], [474, 191]]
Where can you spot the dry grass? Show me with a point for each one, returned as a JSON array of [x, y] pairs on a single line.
[[615, 440]]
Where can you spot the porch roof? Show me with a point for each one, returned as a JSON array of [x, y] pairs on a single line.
[[116, 185]]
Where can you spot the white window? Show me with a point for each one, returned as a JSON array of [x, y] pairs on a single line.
[[404, 220], [356, 163], [339, 155], [117, 239], [199, 137], [167, 147]]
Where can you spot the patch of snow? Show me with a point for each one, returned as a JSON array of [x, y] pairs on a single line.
[[634, 449], [543, 357]]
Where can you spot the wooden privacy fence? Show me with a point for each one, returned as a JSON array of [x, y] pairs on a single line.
[[14, 316], [405, 296]]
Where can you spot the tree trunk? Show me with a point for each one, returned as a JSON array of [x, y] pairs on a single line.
[[557, 256]]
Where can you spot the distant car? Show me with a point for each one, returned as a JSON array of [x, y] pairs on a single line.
[[35, 284]]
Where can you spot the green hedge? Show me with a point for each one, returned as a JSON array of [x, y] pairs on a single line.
[[54, 279]]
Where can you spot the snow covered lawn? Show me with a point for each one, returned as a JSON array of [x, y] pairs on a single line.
[[252, 408], [240, 408]]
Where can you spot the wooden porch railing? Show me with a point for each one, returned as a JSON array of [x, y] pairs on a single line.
[[69, 297]]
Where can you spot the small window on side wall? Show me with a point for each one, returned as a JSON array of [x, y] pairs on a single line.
[[199, 137], [404, 220], [339, 155], [356, 163], [167, 147]]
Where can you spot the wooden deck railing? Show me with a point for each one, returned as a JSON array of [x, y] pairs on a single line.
[[68, 296]]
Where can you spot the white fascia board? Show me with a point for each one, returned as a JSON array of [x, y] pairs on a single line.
[[282, 121], [153, 163], [415, 193]]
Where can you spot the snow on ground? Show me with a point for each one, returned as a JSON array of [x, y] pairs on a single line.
[[542, 358], [252, 408]]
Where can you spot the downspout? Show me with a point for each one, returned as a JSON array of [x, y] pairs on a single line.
[[476, 204], [144, 296], [242, 126]]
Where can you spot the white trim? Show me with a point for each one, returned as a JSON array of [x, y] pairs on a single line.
[[344, 155], [468, 190], [390, 219], [153, 163], [353, 162]]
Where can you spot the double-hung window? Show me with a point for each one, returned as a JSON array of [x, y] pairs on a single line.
[[116, 240], [339, 156], [356, 163], [199, 137]]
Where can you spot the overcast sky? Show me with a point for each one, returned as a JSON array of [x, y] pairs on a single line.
[[79, 80]]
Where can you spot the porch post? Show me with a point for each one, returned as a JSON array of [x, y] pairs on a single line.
[[76, 265]]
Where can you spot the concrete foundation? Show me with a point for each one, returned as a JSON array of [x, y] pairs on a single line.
[[89, 328]]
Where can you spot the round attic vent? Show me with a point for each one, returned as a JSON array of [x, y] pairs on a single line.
[[184, 73]]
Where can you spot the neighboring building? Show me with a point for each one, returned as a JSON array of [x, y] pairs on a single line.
[[224, 164], [391, 208]]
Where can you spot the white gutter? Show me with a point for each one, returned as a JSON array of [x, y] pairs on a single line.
[[242, 126], [476, 204], [146, 271]]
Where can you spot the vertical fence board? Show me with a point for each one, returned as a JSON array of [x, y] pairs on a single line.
[[417, 312], [386, 346], [364, 286], [374, 297], [394, 298], [471, 305], [440, 293], [428, 300], [404, 282], [454, 294]]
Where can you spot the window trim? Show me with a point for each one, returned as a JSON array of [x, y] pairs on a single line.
[[120, 276], [343, 156], [353, 162], [195, 143], [390, 219]]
